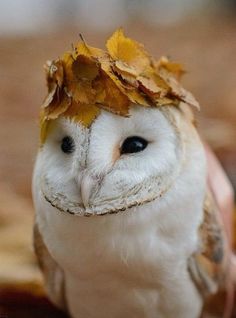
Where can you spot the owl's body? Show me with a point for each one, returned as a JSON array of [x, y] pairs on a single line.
[[131, 257]]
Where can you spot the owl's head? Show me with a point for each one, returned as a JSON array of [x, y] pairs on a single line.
[[116, 129], [118, 162]]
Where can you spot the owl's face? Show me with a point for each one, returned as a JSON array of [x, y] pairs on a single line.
[[115, 164]]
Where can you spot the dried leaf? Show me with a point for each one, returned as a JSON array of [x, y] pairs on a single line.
[[83, 113], [153, 86], [58, 107], [178, 91], [79, 73], [50, 97], [44, 127], [84, 68], [132, 92], [55, 76], [148, 86], [123, 67], [128, 51], [54, 72], [110, 96], [136, 97], [70, 81], [174, 68], [83, 49]]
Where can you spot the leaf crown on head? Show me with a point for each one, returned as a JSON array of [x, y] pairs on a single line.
[[88, 79]]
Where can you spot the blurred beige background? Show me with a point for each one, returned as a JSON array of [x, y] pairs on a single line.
[[201, 34]]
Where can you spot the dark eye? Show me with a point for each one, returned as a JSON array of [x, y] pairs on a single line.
[[133, 144], [67, 144]]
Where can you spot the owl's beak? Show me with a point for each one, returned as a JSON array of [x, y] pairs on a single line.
[[86, 186]]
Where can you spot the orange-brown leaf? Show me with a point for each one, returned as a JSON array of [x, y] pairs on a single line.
[[59, 105], [110, 96], [83, 113], [128, 51], [50, 97], [44, 127], [172, 67], [178, 91], [83, 49], [79, 74], [55, 73], [55, 76], [85, 68]]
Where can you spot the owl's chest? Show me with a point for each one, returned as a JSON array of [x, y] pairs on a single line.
[[123, 265]]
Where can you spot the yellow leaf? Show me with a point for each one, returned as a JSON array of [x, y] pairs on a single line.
[[131, 91], [83, 49], [128, 51], [84, 68], [58, 107], [123, 67], [163, 101], [51, 94], [111, 97], [172, 67], [148, 85], [79, 73], [153, 86], [69, 76], [55, 109], [55, 76], [83, 113], [84, 93], [44, 127], [178, 91], [126, 73], [137, 97], [54, 72]]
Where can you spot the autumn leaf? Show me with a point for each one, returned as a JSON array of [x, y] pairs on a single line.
[[174, 68], [70, 81], [178, 91], [54, 73], [82, 113], [55, 76], [55, 109], [50, 97], [127, 73], [148, 86], [58, 106], [84, 68], [79, 73], [44, 127], [110, 97], [83, 48], [122, 48], [129, 89], [122, 67]]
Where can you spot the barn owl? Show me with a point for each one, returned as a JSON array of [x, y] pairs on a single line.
[[125, 223]]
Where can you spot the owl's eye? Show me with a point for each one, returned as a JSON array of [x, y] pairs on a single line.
[[133, 144], [67, 145]]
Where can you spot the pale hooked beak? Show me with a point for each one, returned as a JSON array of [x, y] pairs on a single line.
[[88, 183]]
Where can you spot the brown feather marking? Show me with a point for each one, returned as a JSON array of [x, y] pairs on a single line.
[[209, 266], [53, 275]]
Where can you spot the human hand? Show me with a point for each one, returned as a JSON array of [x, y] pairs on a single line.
[[224, 196], [222, 190]]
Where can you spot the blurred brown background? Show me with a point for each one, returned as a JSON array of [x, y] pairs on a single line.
[[200, 34]]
